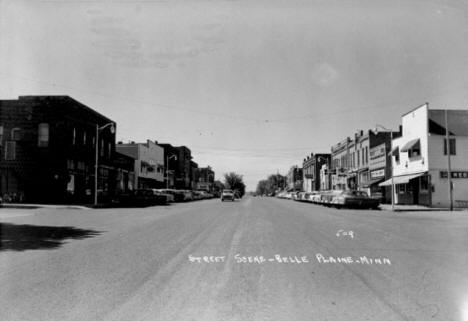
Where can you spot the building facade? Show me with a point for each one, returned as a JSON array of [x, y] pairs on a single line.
[[420, 158], [204, 179], [294, 178], [48, 151], [178, 166], [148, 163], [311, 168]]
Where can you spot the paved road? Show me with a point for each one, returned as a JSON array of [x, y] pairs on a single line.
[[150, 264]]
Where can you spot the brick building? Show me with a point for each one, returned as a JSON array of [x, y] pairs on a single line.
[[48, 150]]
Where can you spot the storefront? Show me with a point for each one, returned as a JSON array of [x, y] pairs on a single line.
[[411, 189]]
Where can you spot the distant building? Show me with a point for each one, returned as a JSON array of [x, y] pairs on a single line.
[[177, 163], [205, 178], [193, 174], [294, 178], [148, 163], [311, 171], [48, 150], [351, 162], [420, 160]]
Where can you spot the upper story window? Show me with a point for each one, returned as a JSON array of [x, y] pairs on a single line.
[[43, 135], [1, 135], [358, 158], [367, 155], [74, 136], [16, 134], [102, 148], [453, 146]]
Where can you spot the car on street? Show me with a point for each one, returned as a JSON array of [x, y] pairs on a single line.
[[227, 194], [354, 199]]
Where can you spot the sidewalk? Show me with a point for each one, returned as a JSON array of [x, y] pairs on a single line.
[[34, 206], [417, 208]]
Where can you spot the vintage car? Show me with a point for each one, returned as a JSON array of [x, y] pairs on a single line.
[[145, 197], [354, 199], [227, 194]]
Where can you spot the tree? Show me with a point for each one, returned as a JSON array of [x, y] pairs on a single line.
[[271, 185], [235, 182]]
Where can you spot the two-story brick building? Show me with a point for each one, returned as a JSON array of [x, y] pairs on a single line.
[[48, 150], [311, 167]]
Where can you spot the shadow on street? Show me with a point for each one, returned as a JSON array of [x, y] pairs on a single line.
[[34, 237]]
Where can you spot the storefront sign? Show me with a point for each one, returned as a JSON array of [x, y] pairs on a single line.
[[377, 173], [455, 174]]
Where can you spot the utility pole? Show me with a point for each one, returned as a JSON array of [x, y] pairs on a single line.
[[449, 166]]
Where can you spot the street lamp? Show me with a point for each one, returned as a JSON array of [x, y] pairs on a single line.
[[167, 168], [112, 129], [391, 161]]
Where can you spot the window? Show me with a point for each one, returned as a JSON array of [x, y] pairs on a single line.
[[43, 135], [73, 136], [367, 156], [396, 153], [362, 154], [16, 134], [453, 145], [10, 150], [424, 183], [357, 154], [84, 138], [1, 135], [102, 148]]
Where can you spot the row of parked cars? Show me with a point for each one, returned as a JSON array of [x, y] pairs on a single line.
[[152, 196], [335, 198]]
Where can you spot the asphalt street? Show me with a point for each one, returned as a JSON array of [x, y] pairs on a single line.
[[254, 259]]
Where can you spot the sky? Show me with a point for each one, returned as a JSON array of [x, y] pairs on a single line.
[[249, 86]]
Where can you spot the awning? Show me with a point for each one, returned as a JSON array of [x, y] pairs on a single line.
[[371, 182], [411, 144], [400, 179]]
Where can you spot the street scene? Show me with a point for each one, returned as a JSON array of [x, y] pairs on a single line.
[[233, 160], [258, 258]]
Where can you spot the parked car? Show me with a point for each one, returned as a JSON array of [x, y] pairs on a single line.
[[299, 196], [188, 195], [144, 197], [308, 196], [227, 194], [354, 199]]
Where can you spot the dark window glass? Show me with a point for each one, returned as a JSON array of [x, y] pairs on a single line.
[[453, 145]]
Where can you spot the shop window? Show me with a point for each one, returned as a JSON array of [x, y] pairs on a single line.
[[453, 145], [43, 135]]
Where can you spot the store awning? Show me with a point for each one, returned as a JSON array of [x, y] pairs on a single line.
[[414, 143], [371, 182], [400, 179]]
